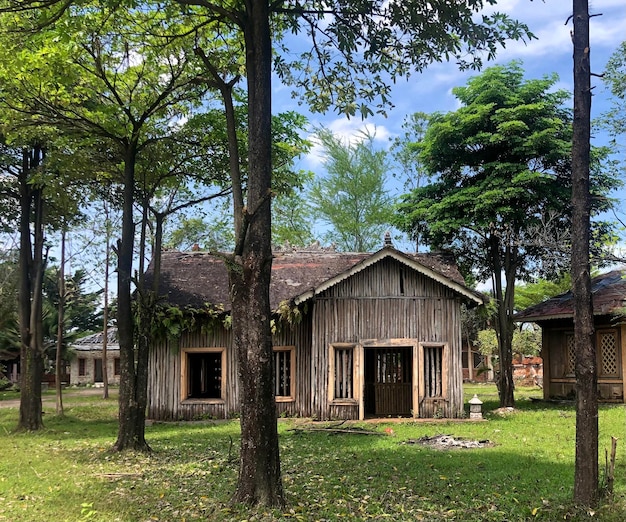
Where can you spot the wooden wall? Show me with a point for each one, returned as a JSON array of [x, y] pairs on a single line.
[[558, 377], [387, 303], [383, 303], [164, 377]]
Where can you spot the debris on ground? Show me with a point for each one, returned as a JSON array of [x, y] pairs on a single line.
[[449, 442]]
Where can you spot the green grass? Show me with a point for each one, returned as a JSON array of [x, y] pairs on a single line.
[[66, 472]]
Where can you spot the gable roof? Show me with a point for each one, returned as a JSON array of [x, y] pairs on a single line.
[[197, 278], [94, 341], [608, 296]]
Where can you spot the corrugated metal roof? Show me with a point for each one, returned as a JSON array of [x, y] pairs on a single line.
[[608, 295], [94, 341]]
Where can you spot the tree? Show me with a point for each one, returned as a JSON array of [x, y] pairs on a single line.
[[405, 152], [352, 197], [292, 219], [615, 79], [529, 294], [526, 341], [369, 52], [32, 260], [586, 466], [356, 49], [124, 103], [9, 338], [502, 163]]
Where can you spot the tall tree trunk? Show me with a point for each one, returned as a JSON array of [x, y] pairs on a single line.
[[60, 329], [105, 313], [259, 466], [586, 469], [30, 295], [132, 402], [504, 324]]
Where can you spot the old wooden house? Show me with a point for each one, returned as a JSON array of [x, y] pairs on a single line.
[[356, 335], [555, 316]]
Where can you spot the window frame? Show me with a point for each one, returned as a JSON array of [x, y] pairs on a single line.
[[292, 373], [602, 374], [356, 386], [184, 375], [445, 362], [82, 367]]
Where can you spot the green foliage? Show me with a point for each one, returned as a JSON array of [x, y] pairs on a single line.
[[211, 225], [292, 220], [502, 164], [81, 308], [169, 322], [213, 234], [526, 341], [358, 46], [405, 150], [615, 79], [9, 335], [534, 293], [352, 197], [487, 342]]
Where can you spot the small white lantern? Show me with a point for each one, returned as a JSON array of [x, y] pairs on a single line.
[[476, 407]]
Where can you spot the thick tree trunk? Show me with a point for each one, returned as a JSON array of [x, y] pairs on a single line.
[[259, 467], [30, 296], [132, 401], [586, 469]]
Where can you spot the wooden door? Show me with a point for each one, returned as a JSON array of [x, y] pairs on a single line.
[[388, 380]]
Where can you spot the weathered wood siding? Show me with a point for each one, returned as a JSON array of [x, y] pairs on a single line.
[[383, 302], [165, 373], [558, 362]]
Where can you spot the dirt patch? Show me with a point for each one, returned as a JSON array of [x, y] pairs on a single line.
[[444, 442]]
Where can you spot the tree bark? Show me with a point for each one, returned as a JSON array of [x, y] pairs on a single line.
[[30, 295], [132, 399], [60, 329], [259, 466], [586, 467], [105, 312], [504, 322]]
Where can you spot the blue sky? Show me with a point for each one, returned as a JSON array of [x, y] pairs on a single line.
[[431, 90]]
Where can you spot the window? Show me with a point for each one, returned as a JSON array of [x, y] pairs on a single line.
[[341, 373], [284, 373], [203, 374], [116, 366], [570, 354], [480, 360], [608, 358], [81, 367], [434, 359]]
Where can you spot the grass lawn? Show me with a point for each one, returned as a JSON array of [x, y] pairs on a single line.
[[66, 472]]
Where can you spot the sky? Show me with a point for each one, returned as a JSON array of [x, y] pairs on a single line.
[[431, 90]]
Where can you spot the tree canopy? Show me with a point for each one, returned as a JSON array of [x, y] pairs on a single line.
[[352, 198], [352, 53], [500, 188]]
